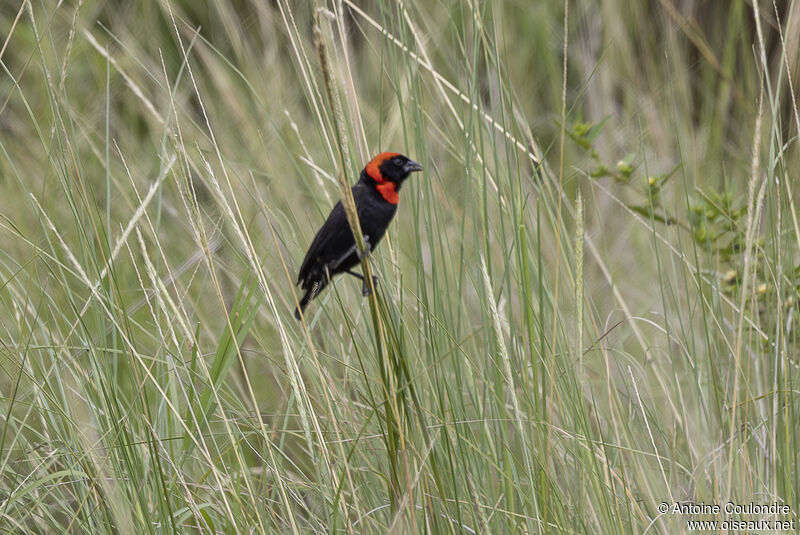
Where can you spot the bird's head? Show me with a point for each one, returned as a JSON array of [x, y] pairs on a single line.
[[391, 167], [387, 171]]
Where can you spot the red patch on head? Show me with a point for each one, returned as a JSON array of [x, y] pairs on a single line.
[[388, 191], [374, 165]]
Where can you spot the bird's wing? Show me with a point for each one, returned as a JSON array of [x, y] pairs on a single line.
[[335, 229]]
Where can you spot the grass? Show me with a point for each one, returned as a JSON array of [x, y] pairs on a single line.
[[586, 305]]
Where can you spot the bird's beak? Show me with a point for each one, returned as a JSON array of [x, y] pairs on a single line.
[[412, 166]]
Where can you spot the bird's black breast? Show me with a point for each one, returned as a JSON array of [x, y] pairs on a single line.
[[374, 213]]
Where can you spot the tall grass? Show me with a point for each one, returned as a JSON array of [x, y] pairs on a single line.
[[585, 307]]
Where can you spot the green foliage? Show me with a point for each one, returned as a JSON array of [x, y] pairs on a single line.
[[716, 221]]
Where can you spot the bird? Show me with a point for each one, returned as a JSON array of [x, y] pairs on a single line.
[[334, 250]]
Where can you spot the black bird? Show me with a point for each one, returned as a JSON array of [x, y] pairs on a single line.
[[334, 248]]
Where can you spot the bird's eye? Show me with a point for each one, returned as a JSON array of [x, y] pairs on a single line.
[[398, 161]]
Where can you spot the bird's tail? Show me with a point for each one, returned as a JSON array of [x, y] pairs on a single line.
[[303, 303], [312, 290]]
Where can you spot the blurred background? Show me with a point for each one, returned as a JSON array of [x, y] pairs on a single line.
[[586, 305]]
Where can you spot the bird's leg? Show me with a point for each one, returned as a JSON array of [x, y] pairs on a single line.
[[338, 261], [365, 289], [356, 275], [351, 250]]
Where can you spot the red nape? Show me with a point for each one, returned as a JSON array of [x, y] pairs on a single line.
[[373, 167], [388, 191]]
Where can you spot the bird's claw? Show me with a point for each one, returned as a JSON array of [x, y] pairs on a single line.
[[365, 289]]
